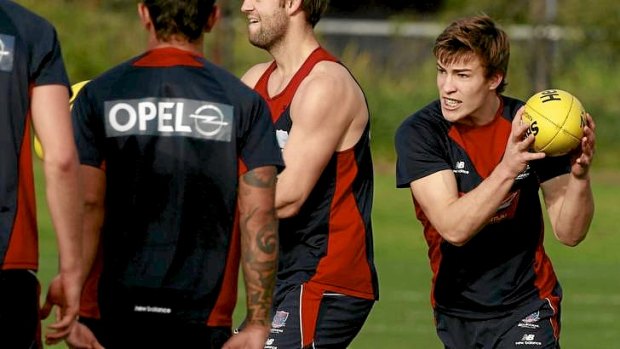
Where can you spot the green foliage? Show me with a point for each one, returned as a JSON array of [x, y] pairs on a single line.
[[98, 34]]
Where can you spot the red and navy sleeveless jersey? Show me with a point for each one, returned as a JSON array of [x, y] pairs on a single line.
[[29, 56], [174, 131], [505, 264], [329, 242]]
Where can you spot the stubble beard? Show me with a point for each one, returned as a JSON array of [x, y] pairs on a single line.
[[271, 33]]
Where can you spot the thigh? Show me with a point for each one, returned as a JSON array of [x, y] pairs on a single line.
[[19, 309], [455, 332], [539, 329], [307, 317], [340, 319]]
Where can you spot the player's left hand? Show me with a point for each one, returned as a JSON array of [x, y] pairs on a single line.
[[584, 154], [63, 293], [81, 337]]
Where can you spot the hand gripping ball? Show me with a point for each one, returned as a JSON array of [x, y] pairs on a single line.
[[556, 120]]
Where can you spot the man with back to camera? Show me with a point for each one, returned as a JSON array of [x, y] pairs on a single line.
[[326, 284], [185, 144], [475, 186], [34, 92]]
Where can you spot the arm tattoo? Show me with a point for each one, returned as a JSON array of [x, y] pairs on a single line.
[[259, 180], [259, 242]]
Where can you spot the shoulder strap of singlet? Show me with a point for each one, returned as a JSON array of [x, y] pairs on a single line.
[[284, 98]]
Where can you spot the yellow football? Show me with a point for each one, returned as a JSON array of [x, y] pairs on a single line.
[[556, 120]]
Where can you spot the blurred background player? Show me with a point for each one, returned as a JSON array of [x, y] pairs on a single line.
[[185, 144], [34, 90], [326, 284], [475, 186]]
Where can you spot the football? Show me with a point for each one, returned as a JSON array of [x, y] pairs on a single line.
[[556, 119]]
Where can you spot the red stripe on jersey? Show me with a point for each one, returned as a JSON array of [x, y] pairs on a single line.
[[168, 57], [345, 267], [221, 315], [545, 282], [281, 101], [310, 304], [22, 252], [433, 240], [485, 145]]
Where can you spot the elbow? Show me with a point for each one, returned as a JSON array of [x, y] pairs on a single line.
[[62, 163], [573, 242], [455, 238], [288, 210]]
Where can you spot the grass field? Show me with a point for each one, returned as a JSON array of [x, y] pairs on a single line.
[[402, 318]]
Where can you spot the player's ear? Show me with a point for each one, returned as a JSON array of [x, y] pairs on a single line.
[[213, 18], [145, 15], [495, 80], [293, 6]]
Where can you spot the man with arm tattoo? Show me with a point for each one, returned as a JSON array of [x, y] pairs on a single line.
[[191, 160]]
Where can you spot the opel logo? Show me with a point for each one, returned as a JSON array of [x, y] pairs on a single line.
[[209, 120]]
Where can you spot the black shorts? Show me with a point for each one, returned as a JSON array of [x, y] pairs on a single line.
[[148, 332], [19, 309], [95, 326], [526, 328], [304, 318]]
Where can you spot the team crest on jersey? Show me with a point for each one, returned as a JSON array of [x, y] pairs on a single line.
[[279, 320], [524, 174], [7, 52], [178, 117], [282, 137]]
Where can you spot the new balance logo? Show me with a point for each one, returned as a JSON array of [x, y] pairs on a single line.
[[459, 167]]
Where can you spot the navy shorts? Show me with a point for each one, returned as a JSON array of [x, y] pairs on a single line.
[[529, 328], [19, 309], [305, 318], [95, 326], [148, 332]]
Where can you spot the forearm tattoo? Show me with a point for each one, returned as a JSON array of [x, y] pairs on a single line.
[[259, 242]]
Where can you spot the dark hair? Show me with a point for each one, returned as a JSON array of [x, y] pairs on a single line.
[[185, 18], [480, 36], [314, 9]]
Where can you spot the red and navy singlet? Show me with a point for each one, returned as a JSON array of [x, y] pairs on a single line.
[[329, 242]]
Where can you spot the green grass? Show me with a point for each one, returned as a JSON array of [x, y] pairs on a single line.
[[403, 318]]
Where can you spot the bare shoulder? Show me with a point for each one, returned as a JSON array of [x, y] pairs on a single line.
[[330, 81], [251, 77]]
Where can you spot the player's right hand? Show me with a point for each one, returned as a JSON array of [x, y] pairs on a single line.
[[517, 153], [250, 337]]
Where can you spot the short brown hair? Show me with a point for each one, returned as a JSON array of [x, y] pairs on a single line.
[[478, 35], [185, 18], [314, 9]]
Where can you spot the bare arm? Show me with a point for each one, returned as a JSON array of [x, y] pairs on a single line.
[[52, 123], [329, 114], [259, 244], [94, 184], [569, 198], [458, 219]]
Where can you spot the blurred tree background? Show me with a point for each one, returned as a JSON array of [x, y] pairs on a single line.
[[397, 72]]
